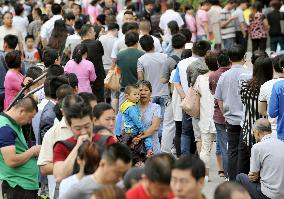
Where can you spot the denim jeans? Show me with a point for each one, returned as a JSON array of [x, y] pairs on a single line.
[[187, 135], [228, 43], [239, 155], [254, 188], [162, 101], [274, 41], [221, 145]]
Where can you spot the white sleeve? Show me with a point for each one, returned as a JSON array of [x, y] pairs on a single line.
[[114, 51], [43, 32]]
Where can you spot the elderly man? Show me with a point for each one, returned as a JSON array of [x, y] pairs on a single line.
[[265, 179]]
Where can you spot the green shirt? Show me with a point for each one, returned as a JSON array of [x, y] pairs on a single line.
[[25, 175], [127, 63]]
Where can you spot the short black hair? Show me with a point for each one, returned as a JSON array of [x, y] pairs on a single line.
[[100, 108], [55, 70], [225, 190], [158, 168], [178, 41], [72, 79], [128, 12], [69, 16], [117, 152], [223, 59], [236, 53], [88, 97], [19, 9], [201, 47], [211, 59], [113, 26], [64, 90], [54, 84], [28, 103], [278, 63], [147, 43], [78, 24], [187, 33], [49, 55], [186, 53], [256, 54], [56, 9], [34, 72], [173, 26], [13, 59], [101, 18], [131, 38], [132, 26], [85, 29], [29, 37], [188, 7], [193, 163], [124, 28], [74, 107], [129, 88], [11, 41]]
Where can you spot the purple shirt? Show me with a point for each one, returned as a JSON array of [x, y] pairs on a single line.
[[85, 72], [213, 80]]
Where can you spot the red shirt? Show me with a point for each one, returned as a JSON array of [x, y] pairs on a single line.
[[138, 192], [61, 152]]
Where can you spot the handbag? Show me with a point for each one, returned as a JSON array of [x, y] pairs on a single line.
[[191, 103], [112, 80]]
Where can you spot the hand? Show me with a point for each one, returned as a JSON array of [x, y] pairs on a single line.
[[136, 140], [149, 153], [253, 176], [36, 149], [81, 139], [27, 80], [232, 18]]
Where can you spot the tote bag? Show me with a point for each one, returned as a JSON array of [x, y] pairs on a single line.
[[112, 80], [191, 103]]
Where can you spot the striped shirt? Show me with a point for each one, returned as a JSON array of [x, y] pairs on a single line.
[[229, 31]]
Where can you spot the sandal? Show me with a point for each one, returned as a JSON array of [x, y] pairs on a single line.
[[221, 174]]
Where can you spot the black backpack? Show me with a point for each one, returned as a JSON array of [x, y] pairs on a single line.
[[176, 58]]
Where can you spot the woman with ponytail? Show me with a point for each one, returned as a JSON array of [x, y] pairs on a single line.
[[82, 68]]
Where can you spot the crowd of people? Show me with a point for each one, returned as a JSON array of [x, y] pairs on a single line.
[[110, 99]]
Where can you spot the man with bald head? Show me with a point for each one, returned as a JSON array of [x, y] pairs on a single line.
[[266, 176]]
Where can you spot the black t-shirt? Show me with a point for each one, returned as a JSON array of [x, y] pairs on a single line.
[[95, 53], [274, 18]]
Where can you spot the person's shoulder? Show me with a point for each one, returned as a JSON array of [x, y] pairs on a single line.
[[154, 106]]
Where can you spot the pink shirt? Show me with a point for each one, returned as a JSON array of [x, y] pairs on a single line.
[[191, 25], [201, 18], [12, 84], [85, 72]]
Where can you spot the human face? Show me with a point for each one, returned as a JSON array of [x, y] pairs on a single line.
[[48, 9], [184, 185], [156, 190], [30, 43], [76, 10], [25, 117], [81, 126], [8, 20], [92, 33], [134, 95], [145, 94], [107, 120], [149, 7], [115, 171], [128, 18]]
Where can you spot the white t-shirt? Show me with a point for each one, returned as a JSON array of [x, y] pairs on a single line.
[[48, 26], [108, 43], [176, 100], [8, 31], [21, 24], [264, 96], [170, 15], [72, 41], [67, 183]]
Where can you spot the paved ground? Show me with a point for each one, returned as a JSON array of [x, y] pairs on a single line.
[[215, 180]]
